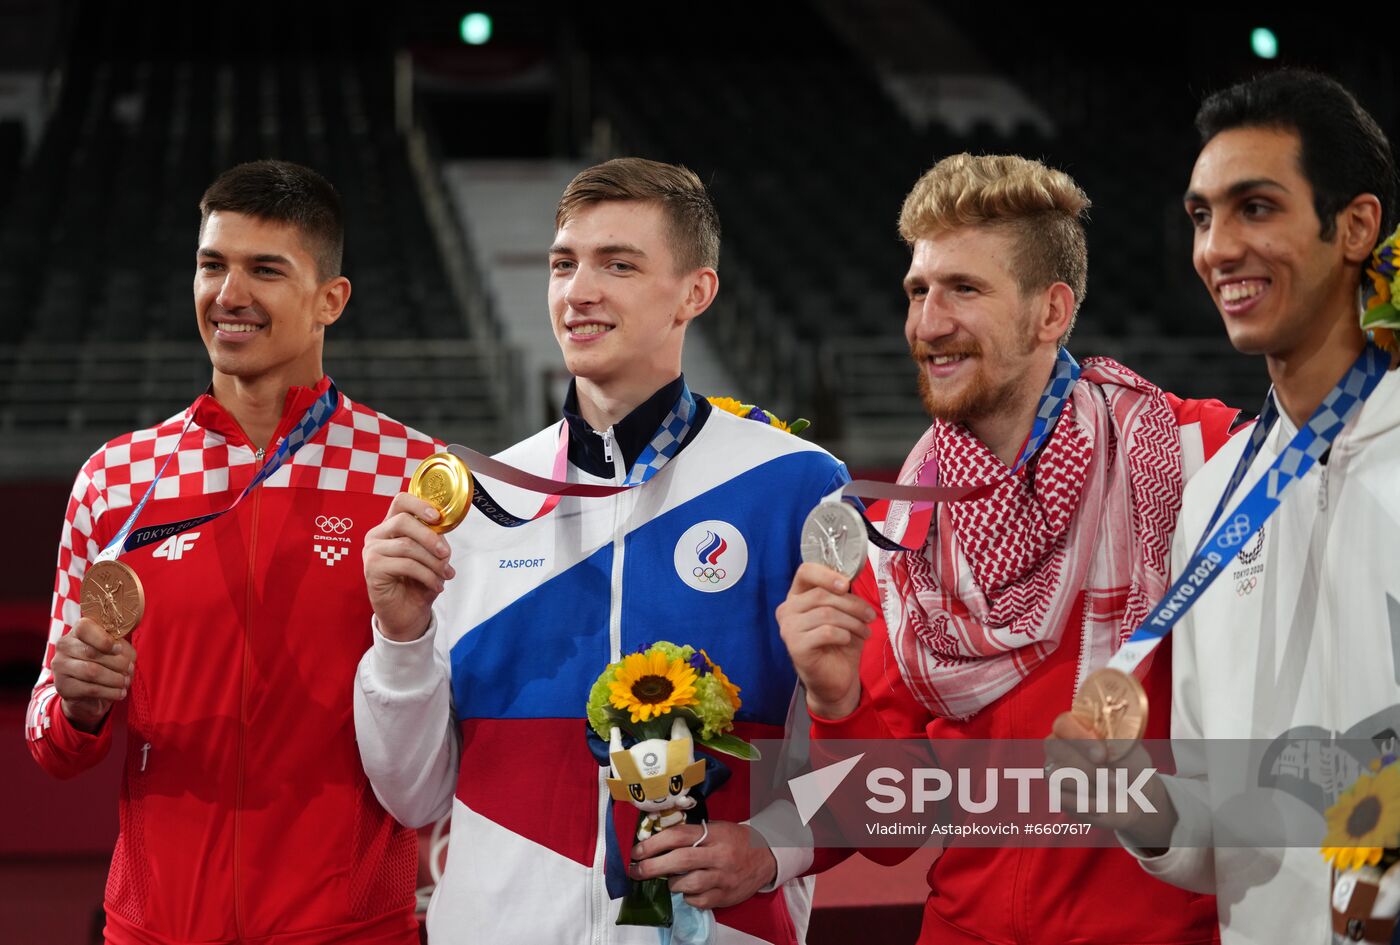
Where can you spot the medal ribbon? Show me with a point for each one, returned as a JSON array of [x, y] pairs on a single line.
[[661, 449], [311, 423], [926, 492], [1227, 538]]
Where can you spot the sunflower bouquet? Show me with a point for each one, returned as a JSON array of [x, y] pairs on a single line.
[[663, 699], [1363, 846]]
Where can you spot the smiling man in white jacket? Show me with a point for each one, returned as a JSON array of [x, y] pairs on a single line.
[[1299, 638]]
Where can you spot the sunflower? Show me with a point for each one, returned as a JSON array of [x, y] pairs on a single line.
[[729, 405], [1364, 821], [751, 412], [651, 684], [1352, 858]]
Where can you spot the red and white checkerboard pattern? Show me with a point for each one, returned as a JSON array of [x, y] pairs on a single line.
[[331, 553], [359, 451]]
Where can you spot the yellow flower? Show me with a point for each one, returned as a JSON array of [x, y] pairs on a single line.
[[1365, 820], [729, 405], [1351, 858], [750, 412], [730, 689], [649, 685], [1381, 287]]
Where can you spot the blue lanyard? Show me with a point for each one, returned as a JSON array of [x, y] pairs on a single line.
[[311, 423], [1225, 539], [1052, 404]]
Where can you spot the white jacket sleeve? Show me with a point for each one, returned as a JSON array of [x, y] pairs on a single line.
[[405, 728], [1190, 861]]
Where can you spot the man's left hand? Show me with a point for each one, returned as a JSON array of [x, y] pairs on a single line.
[[732, 864]]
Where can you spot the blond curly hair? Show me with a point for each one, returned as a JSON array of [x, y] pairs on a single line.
[[1043, 208]]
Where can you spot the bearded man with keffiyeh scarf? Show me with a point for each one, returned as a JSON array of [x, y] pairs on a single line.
[[1033, 581]]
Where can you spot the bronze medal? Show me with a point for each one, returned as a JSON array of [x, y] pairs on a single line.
[[444, 481], [113, 596], [1114, 705]]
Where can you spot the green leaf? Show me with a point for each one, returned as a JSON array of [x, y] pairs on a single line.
[[731, 745], [1382, 316]]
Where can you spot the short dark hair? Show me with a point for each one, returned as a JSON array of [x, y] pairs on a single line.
[[284, 192], [690, 213], [1342, 150]]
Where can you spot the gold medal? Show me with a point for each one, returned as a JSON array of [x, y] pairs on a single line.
[[444, 481], [1114, 704], [113, 596]]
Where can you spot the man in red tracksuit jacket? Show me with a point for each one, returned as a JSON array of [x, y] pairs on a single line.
[[245, 814], [1023, 589]]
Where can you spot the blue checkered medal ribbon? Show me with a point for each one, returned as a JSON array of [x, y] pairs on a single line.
[[1052, 404], [1047, 413], [1226, 538], [311, 423], [664, 445], [666, 441]]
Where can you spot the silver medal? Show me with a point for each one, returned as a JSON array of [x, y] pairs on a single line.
[[834, 535]]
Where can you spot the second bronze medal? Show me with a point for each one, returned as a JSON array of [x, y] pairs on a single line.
[[1114, 704]]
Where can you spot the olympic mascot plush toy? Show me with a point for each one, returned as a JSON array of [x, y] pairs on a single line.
[[656, 776]]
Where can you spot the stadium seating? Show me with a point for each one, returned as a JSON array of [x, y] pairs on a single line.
[[96, 245]]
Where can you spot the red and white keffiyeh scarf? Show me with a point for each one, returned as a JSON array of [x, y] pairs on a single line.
[[987, 600]]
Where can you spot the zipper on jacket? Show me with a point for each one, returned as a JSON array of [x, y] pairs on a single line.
[[600, 896], [243, 705], [1326, 602], [607, 437], [599, 919]]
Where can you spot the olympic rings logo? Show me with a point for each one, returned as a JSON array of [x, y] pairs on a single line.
[[713, 575], [1245, 586], [333, 525], [1236, 531]]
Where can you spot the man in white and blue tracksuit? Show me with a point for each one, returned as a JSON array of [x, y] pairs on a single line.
[[487, 640]]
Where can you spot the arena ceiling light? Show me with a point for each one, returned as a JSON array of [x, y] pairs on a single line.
[[476, 29], [1264, 43]]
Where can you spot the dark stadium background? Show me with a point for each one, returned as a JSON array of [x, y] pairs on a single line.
[[803, 117]]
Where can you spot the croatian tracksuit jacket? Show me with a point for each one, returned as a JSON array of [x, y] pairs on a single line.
[[245, 814]]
